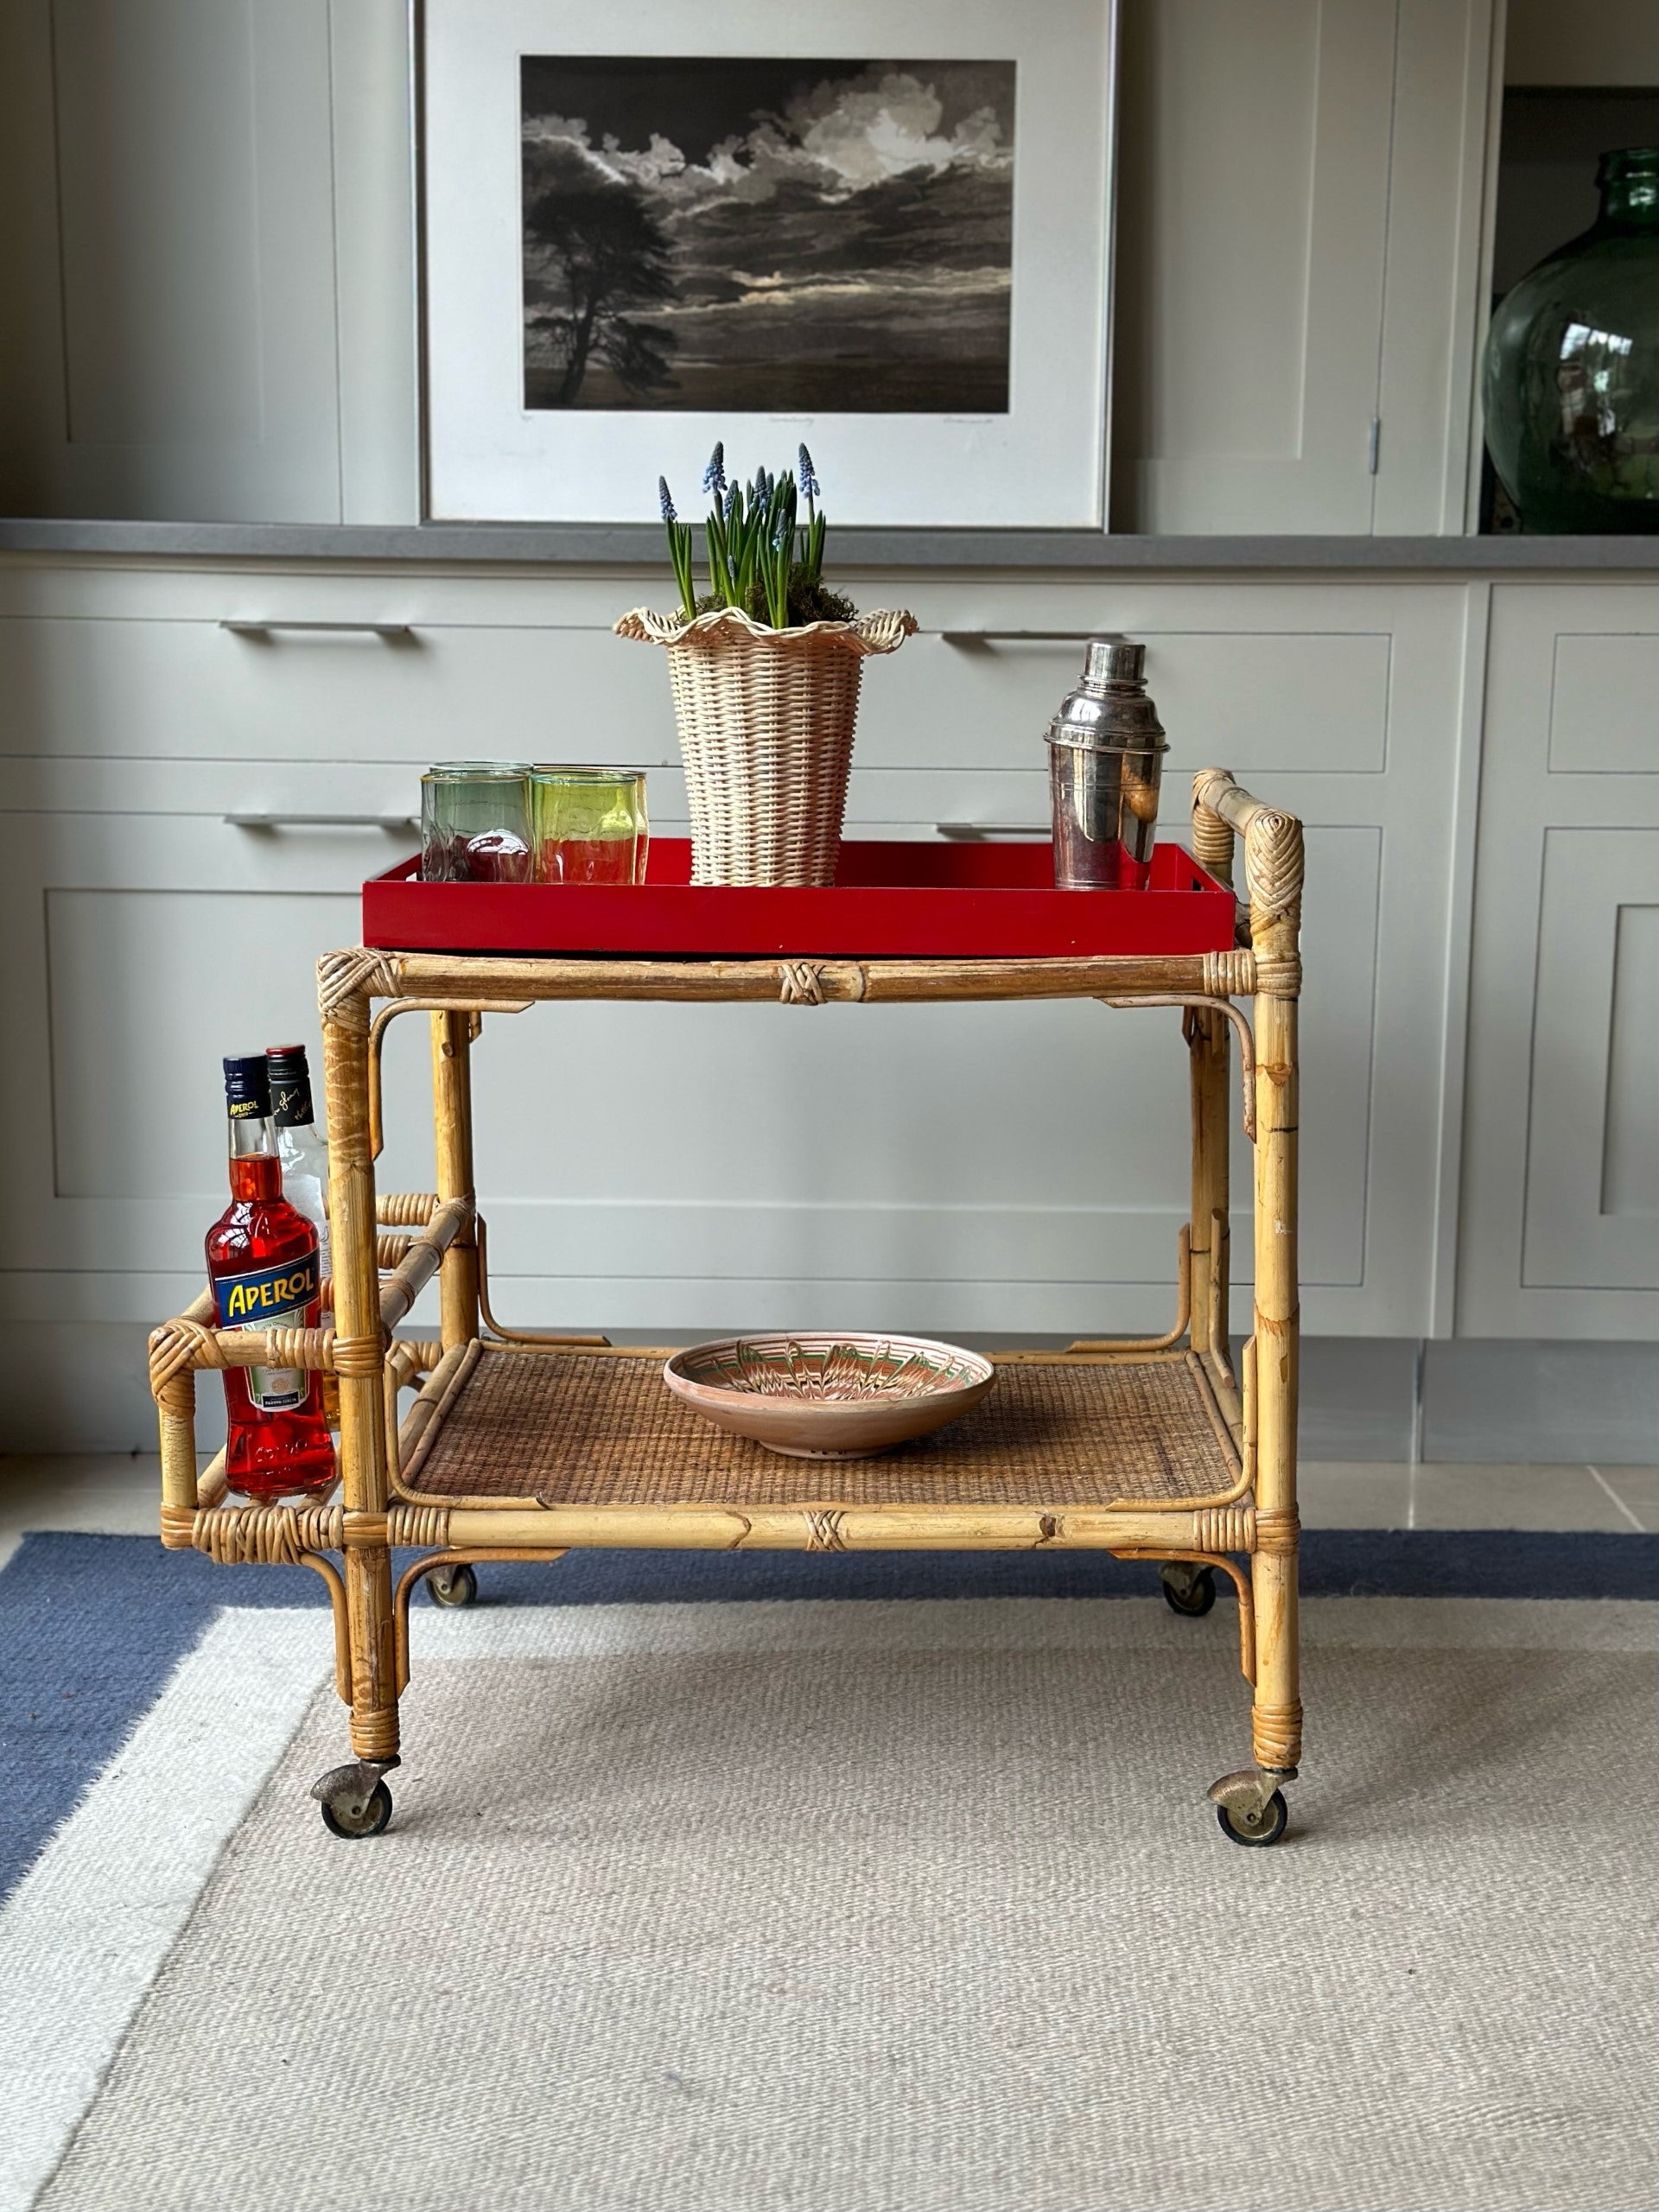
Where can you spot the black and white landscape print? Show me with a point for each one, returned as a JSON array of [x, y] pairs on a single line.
[[767, 236]]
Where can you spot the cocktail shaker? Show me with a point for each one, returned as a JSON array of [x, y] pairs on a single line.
[[1106, 750]]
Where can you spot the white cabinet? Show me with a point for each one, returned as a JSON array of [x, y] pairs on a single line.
[[1560, 1228], [206, 227], [141, 949], [1298, 222], [204, 249], [1253, 214], [994, 1168]]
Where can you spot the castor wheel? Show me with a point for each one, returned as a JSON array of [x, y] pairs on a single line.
[[352, 1815], [1188, 1591], [1244, 1824], [456, 1585]]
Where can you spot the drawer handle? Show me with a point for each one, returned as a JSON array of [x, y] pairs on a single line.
[[391, 631], [974, 833], [1018, 637], [322, 821]]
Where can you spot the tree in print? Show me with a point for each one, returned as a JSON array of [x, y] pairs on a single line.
[[602, 252]]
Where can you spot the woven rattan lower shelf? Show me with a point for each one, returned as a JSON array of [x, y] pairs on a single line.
[[575, 1432]]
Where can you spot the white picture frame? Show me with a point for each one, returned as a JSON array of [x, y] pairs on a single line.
[[1043, 463]]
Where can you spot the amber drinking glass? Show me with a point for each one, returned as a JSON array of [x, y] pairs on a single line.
[[475, 823], [588, 825]]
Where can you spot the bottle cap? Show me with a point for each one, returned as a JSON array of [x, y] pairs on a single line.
[[1112, 658], [291, 1085], [247, 1088], [1109, 711]]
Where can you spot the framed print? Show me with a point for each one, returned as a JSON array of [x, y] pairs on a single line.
[[881, 229]]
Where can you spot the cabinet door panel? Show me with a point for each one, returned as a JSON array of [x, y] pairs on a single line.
[[1592, 1141], [1604, 706], [1557, 1236], [179, 347], [141, 953], [1254, 195]]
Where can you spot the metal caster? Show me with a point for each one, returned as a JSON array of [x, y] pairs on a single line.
[[1256, 1829], [1188, 1590], [1249, 1809], [454, 1585], [355, 1800]]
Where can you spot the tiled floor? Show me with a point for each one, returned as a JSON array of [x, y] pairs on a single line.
[[118, 1495]]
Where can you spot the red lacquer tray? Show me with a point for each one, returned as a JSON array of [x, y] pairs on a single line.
[[922, 900]]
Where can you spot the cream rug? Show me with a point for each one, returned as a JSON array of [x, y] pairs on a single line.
[[850, 1907]]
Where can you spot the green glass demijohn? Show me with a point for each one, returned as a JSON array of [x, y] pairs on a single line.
[[1572, 373]]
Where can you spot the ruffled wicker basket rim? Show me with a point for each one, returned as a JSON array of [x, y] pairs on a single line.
[[882, 630]]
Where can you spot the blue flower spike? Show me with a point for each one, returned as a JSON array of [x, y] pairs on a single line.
[[754, 546]]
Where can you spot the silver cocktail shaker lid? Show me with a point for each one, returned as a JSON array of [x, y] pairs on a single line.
[[1114, 659], [1109, 711]]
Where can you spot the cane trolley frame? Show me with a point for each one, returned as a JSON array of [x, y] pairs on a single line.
[[522, 1447]]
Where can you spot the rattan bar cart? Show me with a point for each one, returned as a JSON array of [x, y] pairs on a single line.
[[520, 1447]]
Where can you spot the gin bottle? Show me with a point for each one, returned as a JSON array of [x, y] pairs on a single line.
[[303, 1153], [304, 1156], [263, 1266]]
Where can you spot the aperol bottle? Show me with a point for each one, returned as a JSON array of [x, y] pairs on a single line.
[[262, 1265]]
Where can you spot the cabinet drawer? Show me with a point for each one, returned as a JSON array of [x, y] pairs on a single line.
[[1303, 700], [150, 689], [886, 1163], [879, 802], [1274, 679]]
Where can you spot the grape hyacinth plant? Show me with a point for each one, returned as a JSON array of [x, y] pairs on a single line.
[[679, 547], [760, 556]]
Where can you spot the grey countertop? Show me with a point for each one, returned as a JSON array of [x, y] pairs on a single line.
[[640, 545]]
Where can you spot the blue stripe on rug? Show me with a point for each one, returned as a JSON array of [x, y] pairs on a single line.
[[90, 1627]]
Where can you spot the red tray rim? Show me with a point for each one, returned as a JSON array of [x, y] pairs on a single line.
[[860, 920]]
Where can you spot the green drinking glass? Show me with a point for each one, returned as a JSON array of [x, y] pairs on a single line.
[[588, 825], [475, 823]]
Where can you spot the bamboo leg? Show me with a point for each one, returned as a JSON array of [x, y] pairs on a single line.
[[1273, 853], [1208, 1045], [452, 1109], [1276, 1714], [359, 1353], [173, 1385], [176, 1411], [1273, 856]]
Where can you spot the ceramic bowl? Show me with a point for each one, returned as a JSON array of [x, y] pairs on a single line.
[[824, 1397]]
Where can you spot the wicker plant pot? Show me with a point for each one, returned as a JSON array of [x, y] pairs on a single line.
[[765, 722]]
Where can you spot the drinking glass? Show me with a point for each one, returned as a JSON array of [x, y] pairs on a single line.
[[588, 824], [475, 823]]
